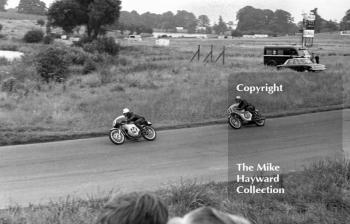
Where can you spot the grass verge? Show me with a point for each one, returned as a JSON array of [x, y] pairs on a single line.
[[319, 194]]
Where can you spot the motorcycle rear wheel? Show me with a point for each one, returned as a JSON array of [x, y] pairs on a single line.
[[117, 136], [149, 133], [260, 123], [235, 122]]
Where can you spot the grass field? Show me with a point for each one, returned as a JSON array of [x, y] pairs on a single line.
[[19, 16], [319, 194], [15, 25], [161, 84]]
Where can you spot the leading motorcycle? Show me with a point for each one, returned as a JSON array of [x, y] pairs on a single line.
[[237, 118], [122, 130]]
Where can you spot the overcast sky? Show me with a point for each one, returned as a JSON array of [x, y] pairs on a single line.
[[328, 9]]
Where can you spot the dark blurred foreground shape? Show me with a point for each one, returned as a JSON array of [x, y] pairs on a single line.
[[134, 208], [208, 215]]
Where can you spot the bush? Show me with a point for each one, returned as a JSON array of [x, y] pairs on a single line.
[[8, 84], [33, 36], [3, 36], [89, 66], [4, 61], [77, 56], [83, 40], [108, 45], [40, 22], [48, 39], [51, 64], [9, 47], [102, 45], [236, 33]]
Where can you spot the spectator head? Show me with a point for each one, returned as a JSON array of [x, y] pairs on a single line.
[[134, 208], [207, 215]]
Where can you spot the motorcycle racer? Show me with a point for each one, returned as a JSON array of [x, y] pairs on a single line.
[[130, 116], [244, 105]]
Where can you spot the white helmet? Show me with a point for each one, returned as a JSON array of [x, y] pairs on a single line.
[[238, 98], [126, 110]]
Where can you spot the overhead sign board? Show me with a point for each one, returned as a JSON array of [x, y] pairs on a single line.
[[308, 33], [310, 16]]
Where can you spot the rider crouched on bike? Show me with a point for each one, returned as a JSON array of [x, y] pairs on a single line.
[[134, 118], [244, 105]]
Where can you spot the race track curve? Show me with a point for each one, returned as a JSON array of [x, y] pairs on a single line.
[[36, 173]]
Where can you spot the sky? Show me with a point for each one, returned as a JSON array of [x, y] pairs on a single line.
[[328, 9]]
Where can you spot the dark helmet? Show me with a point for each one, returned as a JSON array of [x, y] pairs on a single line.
[[238, 99]]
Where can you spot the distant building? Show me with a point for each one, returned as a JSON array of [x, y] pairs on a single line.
[[179, 35], [256, 36], [163, 42], [180, 29], [134, 38], [345, 33], [200, 29]]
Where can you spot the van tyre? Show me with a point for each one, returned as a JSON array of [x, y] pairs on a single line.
[[272, 63]]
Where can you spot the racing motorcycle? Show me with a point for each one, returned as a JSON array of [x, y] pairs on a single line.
[[122, 130], [237, 118]]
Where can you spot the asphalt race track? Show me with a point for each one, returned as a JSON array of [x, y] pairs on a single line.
[[36, 173]]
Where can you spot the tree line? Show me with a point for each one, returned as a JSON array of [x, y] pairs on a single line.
[[35, 7], [101, 15], [250, 21], [168, 21]]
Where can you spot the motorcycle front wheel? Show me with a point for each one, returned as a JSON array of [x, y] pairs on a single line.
[[149, 133], [117, 136], [235, 122]]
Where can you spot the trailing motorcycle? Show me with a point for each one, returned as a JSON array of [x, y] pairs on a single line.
[[237, 118], [122, 130]]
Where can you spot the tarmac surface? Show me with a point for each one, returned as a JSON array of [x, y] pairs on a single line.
[[37, 173]]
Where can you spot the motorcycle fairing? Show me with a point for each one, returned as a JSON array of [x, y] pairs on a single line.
[[245, 115], [132, 130]]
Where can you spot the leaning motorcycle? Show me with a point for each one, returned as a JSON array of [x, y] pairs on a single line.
[[237, 118], [122, 130]]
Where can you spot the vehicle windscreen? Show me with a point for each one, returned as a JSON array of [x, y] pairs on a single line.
[[120, 119], [305, 61], [290, 62]]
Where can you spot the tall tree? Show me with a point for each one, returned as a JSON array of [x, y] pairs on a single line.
[[345, 23], [168, 22], [252, 20], [186, 19], [32, 7], [203, 20], [135, 23], [282, 22], [322, 25], [3, 3], [221, 27], [95, 15], [67, 15]]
